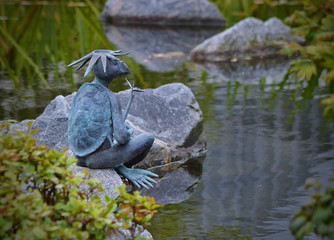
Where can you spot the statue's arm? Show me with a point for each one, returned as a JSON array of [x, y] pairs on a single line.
[[121, 133]]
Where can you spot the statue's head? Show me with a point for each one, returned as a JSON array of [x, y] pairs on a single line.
[[104, 63]]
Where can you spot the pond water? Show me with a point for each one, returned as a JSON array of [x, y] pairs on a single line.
[[260, 152], [263, 142]]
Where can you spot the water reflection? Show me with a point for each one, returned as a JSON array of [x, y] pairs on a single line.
[[27, 102], [158, 48], [262, 160], [248, 72], [260, 153]]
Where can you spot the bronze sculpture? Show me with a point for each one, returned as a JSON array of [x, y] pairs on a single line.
[[97, 132]]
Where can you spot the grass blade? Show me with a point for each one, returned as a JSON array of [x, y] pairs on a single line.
[[24, 54]]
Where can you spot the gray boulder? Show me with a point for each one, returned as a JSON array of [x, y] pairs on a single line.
[[250, 38], [170, 112], [162, 12]]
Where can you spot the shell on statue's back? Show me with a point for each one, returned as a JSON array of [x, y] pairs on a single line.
[[89, 121]]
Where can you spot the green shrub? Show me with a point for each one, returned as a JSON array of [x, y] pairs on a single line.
[[41, 198], [135, 210], [316, 24], [317, 215]]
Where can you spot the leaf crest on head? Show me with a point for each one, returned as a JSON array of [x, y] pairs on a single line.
[[94, 56]]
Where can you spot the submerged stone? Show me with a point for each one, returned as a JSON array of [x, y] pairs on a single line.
[[178, 185], [174, 188]]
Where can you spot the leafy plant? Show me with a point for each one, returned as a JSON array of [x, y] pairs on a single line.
[[135, 210], [235, 10], [315, 22], [317, 215], [41, 198]]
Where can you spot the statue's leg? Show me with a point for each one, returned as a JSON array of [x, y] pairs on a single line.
[[146, 142], [129, 154]]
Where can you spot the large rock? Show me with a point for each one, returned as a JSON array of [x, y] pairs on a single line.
[[162, 12], [250, 38], [159, 49], [170, 112]]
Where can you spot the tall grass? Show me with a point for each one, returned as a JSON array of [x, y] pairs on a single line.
[[38, 36]]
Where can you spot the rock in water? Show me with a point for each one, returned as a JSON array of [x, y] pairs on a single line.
[[162, 12], [250, 38], [170, 112]]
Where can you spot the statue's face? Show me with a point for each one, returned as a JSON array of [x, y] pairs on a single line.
[[114, 68]]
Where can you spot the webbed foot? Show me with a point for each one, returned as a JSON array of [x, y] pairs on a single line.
[[139, 177]]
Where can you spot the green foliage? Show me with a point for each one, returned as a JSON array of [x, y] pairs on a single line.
[[135, 210], [235, 10], [317, 215], [316, 23], [37, 38], [41, 198], [62, 31]]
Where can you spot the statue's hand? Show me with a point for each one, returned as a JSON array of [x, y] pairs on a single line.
[[129, 128], [139, 177]]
